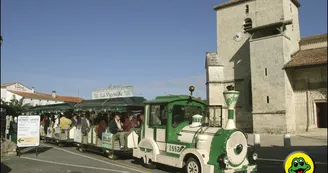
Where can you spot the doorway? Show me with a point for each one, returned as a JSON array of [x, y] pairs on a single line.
[[321, 114]]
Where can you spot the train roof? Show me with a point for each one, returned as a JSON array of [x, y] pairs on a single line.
[[171, 98], [110, 103], [53, 107]]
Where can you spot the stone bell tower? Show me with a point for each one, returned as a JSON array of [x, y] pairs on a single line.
[[255, 38], [274, 38]]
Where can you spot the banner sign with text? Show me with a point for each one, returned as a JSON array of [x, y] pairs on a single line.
[[113, 92], [28, 131]]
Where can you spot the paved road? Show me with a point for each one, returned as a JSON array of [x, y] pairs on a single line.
[[53, 159]]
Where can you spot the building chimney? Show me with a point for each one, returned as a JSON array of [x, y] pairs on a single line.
[[33, 91], [54, 94]]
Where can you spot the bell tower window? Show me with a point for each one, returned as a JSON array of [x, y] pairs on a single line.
[[248, 24]]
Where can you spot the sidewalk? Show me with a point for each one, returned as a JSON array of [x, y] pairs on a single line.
[[313, 138]]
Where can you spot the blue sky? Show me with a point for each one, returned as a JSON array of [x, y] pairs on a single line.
[[76, 46]]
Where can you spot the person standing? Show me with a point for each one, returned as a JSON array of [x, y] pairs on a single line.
[[13, 130]]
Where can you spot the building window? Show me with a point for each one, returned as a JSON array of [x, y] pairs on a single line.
[[266, 72], [248, 24], [290, 8], [268, 99], [247, 9]]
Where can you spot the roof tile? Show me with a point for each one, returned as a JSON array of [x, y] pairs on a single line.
[[314, 39], [308, 57], [47, 96]]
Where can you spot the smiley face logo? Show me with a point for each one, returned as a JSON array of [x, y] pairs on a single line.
[[299, 162]]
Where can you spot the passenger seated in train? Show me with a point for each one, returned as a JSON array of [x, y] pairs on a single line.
[[46, 123], [102, 126], [65, 123], [56, 125], [74, 120], [85, 124], [130, 122], [141, 119], [116, 128]]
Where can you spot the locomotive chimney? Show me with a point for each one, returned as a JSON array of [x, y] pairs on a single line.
[[54, 94], [231, 97]]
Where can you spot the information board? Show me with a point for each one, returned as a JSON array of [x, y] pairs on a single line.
[[28, 131]]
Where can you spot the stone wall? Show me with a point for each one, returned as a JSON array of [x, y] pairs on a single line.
[[309, 86], [8, 148], [269, 123]]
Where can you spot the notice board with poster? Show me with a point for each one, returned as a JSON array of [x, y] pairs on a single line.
[[28, 131]]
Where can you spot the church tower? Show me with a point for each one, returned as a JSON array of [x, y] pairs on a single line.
[[274, 38], [255, 38]]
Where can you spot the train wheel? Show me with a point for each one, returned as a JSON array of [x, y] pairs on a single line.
[[60, 145], [80, 149], [149, 165], [112, 156], [192, 166]]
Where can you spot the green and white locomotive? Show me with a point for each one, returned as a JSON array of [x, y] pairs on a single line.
[[173, 133]]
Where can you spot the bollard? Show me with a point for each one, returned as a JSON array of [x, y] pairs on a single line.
[[257, 140], [287, 142]]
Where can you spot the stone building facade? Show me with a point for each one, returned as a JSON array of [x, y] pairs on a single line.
[[260, 52]]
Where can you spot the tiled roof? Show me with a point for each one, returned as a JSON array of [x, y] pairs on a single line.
[[47, 96], [234, 2], [8, 84], [314, 39], [308, 57]]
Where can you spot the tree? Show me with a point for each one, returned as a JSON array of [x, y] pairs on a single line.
[[16, 107]]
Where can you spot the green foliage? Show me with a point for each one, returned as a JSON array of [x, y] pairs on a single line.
[[16, 107]]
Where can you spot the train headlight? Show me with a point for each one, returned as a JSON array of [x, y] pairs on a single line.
[[254, 156], [226, 160]]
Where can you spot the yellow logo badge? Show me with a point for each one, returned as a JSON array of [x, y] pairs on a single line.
[[299, 162]]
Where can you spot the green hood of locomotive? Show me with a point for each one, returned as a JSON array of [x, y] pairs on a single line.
[[218, 145]]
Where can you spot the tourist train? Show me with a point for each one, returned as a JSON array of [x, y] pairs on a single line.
[[171, 130]]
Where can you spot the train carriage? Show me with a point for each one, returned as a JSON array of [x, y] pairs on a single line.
[[54, 134], [107, 145]]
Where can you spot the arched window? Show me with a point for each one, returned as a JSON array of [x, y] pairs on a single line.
[[248, 24]]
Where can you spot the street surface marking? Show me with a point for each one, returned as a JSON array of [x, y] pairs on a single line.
[[80, 166], [121, 165], [279, 160]]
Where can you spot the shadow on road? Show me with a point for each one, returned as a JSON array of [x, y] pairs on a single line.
[[269, 154], [33, 150], [161, 167], [318, 153], [5, 168]]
